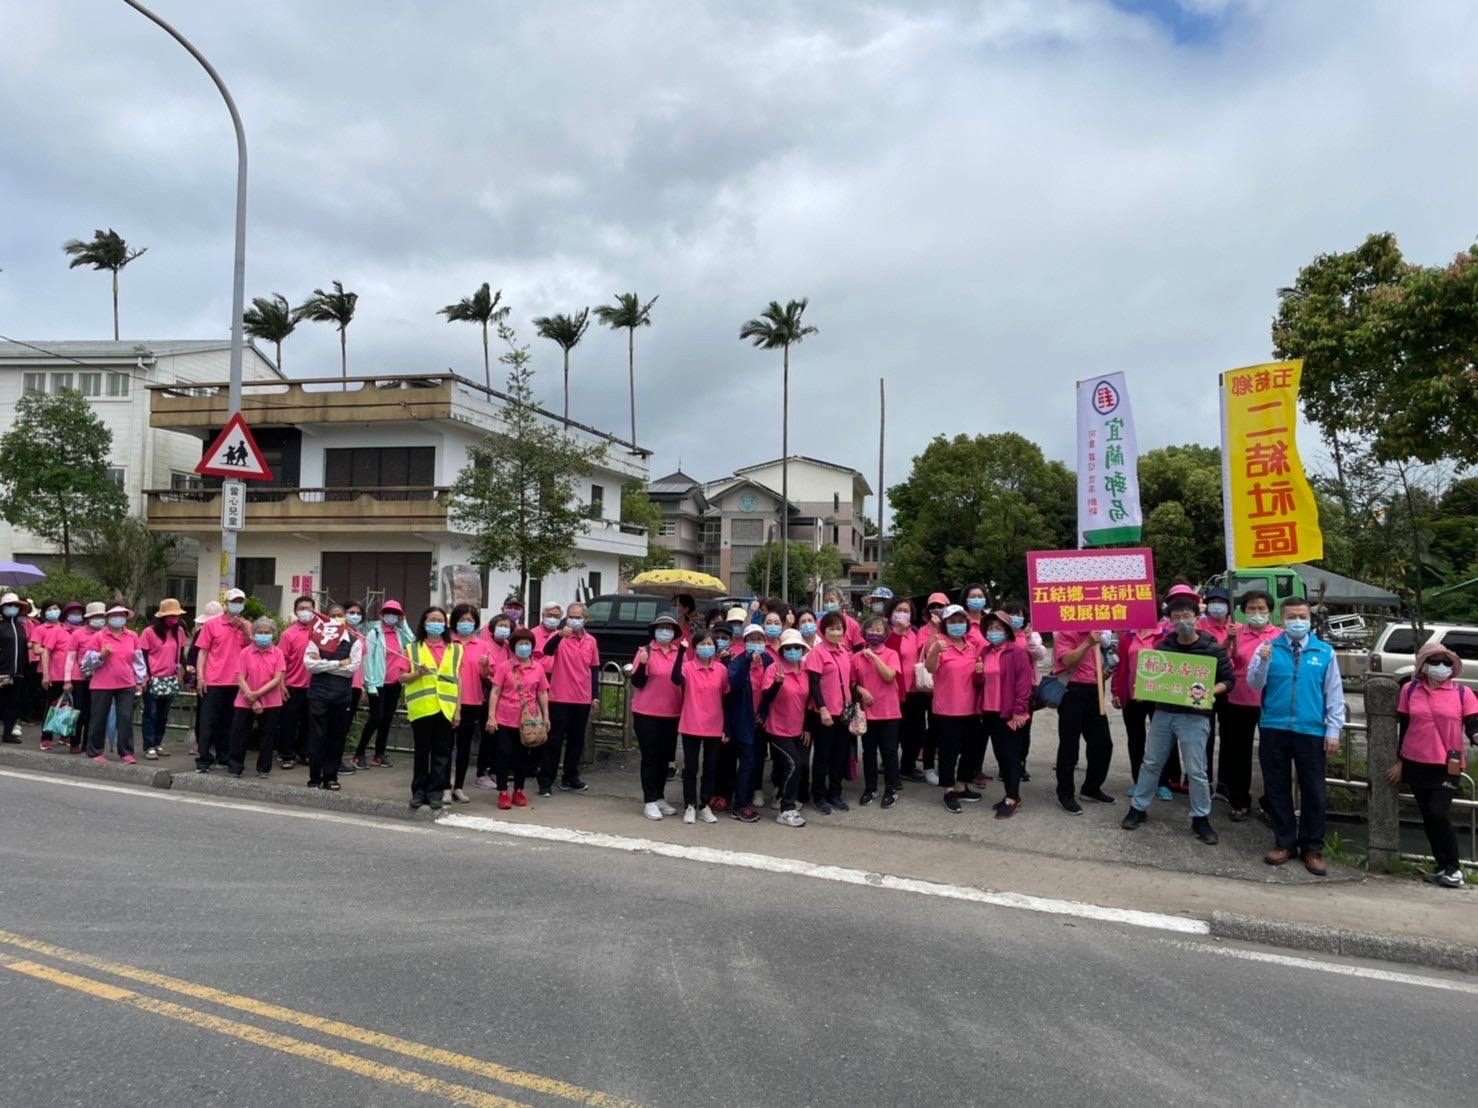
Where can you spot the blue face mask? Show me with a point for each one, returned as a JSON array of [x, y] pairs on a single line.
[[808, 629], [956, 630], [502, 633], [434, 630], [355, 619], [524, 650], [10, 611], [1017, 623], [389, 621], [832, 606], [466, 628], [75, 620], [551, 623], [1297, 628], [664, 634], [878, 608], [772, 630], [235, 607], [995, 638], [117, 622], [1216, 611], [262, 641], [722, 644], [53, 615], [706, 651], [976, 603], [754, 647], [574, 624], [792, 653]]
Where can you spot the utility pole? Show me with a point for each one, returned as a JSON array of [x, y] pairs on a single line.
[[882, 429]]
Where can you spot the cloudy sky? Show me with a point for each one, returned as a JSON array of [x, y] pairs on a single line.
[[983, 201]]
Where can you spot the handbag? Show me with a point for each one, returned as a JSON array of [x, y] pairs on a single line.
[[923, 680], [854, 715], [162, 688], [1048, 693], [532, 731], [61, 718]]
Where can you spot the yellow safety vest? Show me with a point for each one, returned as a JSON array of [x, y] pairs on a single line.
[[441, 691]]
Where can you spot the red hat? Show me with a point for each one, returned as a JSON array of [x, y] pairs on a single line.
[[391, 606]]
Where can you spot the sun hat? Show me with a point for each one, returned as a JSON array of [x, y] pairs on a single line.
[[736, 614], [392, 606], [664, 620], [96, 608], [72, 606], [169, 606], [1182, 592], [792, 637], [11, 598], [1435, 650], [210, 611], [879, 593], [120, 609], [235, 594]]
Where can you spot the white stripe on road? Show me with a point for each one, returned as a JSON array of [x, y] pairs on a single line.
[[1327, 967], [149, 793], [797, 867]]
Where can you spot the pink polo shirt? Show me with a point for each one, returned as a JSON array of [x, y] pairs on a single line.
[[704, 686], [117, 648], [1436, 720], [259, 666], [853, 638], [955, 691], [474, 650], [162, 655], [519, 685], [1066, 641], [834, 664], [886, 695], [223, 644], [906, 645], [787, 717], [1218, 631], [569, 675], [990, 688], [58, 642], [294, 645], [660, 698], [1241, 645]]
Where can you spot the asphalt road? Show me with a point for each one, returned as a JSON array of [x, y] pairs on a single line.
[[554, 974]]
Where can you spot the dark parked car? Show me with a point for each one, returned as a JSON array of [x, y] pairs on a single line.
[[621, 623]]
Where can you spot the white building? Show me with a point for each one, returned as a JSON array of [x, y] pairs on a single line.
[[357, 508]]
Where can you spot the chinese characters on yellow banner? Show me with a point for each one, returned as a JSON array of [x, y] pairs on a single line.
[[1271, 515]]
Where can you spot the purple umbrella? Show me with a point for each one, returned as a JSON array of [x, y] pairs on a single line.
[[16, 574]]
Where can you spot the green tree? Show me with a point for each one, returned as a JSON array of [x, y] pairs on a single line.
[[516, 496], [640, 510], [271, 320], [628, 313], [480, 308], [1184, 520], [128, 558], [780, 328], [106, 250], [54, 470], [64, 585], [565, 331], [335, 307], [811, 570]]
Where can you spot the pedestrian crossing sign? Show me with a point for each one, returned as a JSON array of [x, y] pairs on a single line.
[[235, 455]]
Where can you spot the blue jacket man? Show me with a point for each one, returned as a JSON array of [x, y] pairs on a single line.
[[739, 712], [1303, 716]]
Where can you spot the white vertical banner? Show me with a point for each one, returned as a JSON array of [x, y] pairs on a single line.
[[1108, 464]]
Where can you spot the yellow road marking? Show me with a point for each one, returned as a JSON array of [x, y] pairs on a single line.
[[390, 1075], [531, 1082]]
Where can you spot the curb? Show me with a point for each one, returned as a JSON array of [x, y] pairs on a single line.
[[148, 774], [1411, 949]]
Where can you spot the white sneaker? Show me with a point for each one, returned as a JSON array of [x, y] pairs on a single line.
[[931, 777], [446, 796], [690, 814], [461, 797], [665, 808], [791, 818], [759, 799], [15, 732], [652, 811], [776, 802], [706, 814]]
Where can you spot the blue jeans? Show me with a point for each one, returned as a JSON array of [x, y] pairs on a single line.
[[1283, 752], [1189, 733], [155, 719], [747, 778]]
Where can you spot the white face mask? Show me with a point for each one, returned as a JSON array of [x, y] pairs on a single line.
[[305, 615], [1257, 619], [1439, 671]]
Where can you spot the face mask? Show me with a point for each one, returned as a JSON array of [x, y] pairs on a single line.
[[513, 613], [1185, 626], [808, 629], [524, 649], [575, 624], [96, 624], [389, 621], [1257, 619], [995, 638], [435, 630], [235, 607], [664, 634], [502, 633], [722, 644], [305, 615], [903, 619], [1018, 622], [877, 609], [75, 620], [955, 630], [1216, 611], [772, 630], [355, 619], [832, 606], [792, 653], [976, 603], [735, 629], [706, 651], [1439, 671], [10, 610], [53, 614], [116, 622], [875, 640], [754, 647], [934, 612], [551, 623], [171, 621], [262, 641], [1296, 628], [466, 628]]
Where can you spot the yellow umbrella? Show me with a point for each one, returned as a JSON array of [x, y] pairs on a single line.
[[671, 582]]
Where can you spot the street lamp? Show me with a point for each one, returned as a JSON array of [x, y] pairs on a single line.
[[238, 278]]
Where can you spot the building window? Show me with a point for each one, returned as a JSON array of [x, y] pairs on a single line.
[[178, 481], [595, 582], [254, 573], [182, 589], [597, 501], [116, 475], [33, 382], [380, 467], [667, 528], [747, 531], [60, 381], [836, 535], [90, 384], [535, 602], [836, 502], [117, 384]]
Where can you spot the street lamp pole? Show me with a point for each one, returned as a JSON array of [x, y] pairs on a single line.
[[238, 285]]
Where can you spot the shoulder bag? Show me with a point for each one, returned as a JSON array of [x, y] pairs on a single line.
[[532, 731]]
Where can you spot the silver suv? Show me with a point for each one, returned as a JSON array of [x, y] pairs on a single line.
[[1395, 651]]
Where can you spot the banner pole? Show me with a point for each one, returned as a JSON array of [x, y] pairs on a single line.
[[1098, 671]]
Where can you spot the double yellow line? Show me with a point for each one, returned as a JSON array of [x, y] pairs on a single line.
[[353, 1063]]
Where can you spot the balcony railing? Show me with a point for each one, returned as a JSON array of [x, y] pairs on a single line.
[[383, 508]]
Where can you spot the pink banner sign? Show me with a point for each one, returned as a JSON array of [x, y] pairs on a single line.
[[1092, 590]]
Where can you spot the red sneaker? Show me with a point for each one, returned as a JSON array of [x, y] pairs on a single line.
[[504, 801], [519, 800], [45, 744], [74, 750], [718, 804]]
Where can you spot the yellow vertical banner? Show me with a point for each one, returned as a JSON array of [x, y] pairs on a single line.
[[1271, 515]]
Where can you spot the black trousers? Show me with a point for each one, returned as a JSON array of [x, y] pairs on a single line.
[[727, 774], [213, 742], [567, 723], [487, 748], [1137, 716], [831, 753], [382, 708], [1434, 792], [104, 700], [914, 737], [655, 735], [292, 727], [951, 733], [1078, 717], [972, 752], [514, 760], [433, 739], [1234, 771], [474, 716], [786, 754], [243, 720], [328, 732], [1008, 751], [881, 739], [697, 792]]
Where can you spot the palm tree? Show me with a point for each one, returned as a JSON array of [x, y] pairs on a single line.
[[107, 250], [271, 321], [567, 331], [781, 328], [481, 307], [629, 312], [331, 307]]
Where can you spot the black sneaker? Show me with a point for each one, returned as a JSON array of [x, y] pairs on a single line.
[[433, 801], [672, 773], [838, 803], [1202, 829], [1069, 805], [1133, 818], [969, 795], [417, 800], [545, 791], [1024, 775], [1096, 794], [865, 799], [575, 786], [821, 806], [202, 769], [890, 799], [914, 775], [952, 802]]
